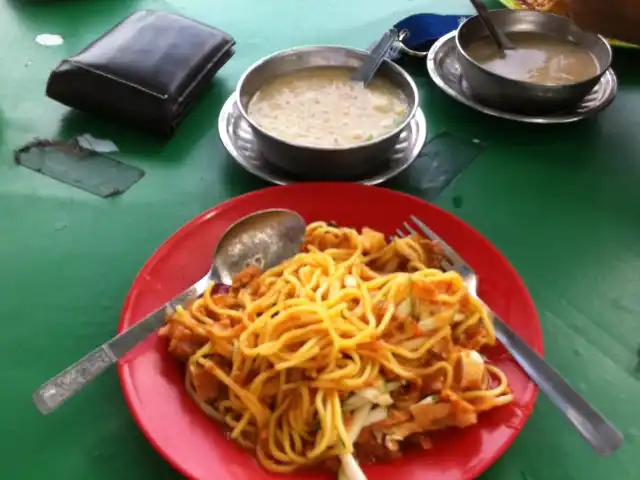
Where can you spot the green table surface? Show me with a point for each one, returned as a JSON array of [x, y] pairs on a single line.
[[561, 202]]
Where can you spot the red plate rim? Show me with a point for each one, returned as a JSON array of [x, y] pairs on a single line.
[[129, 387]]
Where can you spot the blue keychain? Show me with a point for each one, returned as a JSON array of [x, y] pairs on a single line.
[[425, 28]]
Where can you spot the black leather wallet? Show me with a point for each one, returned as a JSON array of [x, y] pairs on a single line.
[[146, 71]]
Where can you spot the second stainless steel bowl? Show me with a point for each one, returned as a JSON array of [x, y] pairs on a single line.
[[331, 162], [507, 94]]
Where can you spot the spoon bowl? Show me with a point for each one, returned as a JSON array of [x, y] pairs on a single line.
[[265, 239]]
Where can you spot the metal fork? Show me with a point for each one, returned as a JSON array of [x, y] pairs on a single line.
[[594, 428]]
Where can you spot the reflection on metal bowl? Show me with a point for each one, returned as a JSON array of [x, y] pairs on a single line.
[[331, 162], [512, 95]]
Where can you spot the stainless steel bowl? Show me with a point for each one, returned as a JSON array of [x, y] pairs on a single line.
[[322, 163], [507, 94]]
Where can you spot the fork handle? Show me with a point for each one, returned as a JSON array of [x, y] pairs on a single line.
[[594, 428]]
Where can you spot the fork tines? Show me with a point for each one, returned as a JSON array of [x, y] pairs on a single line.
[[451, 258]]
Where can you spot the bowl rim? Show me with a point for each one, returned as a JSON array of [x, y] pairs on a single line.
[[595, 36], [312, 48]]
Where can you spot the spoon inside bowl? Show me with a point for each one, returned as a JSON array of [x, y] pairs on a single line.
[[499, 37], [372, 62], [265, 238]]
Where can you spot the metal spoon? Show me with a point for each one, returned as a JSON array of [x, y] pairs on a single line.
[[501, 40], [265, 238], [379, 52]]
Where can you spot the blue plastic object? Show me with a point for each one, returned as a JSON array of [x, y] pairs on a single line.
[[425, 28]]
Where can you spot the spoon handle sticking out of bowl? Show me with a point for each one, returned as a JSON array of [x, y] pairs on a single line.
[[367, 70], [501, 40]]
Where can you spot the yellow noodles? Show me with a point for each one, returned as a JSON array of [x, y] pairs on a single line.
[[283, 357]]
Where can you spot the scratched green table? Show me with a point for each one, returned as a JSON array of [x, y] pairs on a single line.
[[561, 202]]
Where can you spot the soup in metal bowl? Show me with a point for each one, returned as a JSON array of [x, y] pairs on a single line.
[[323, 107], [537, 58]]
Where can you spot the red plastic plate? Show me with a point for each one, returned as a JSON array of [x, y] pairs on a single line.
[[194, 445]]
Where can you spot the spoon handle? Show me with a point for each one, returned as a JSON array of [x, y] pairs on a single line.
[[372, 62], [74, 378], [498, 36]]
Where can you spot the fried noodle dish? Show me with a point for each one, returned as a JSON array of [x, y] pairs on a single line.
[[356, 347]]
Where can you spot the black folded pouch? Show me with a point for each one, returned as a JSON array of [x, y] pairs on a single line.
[[146, 71]]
